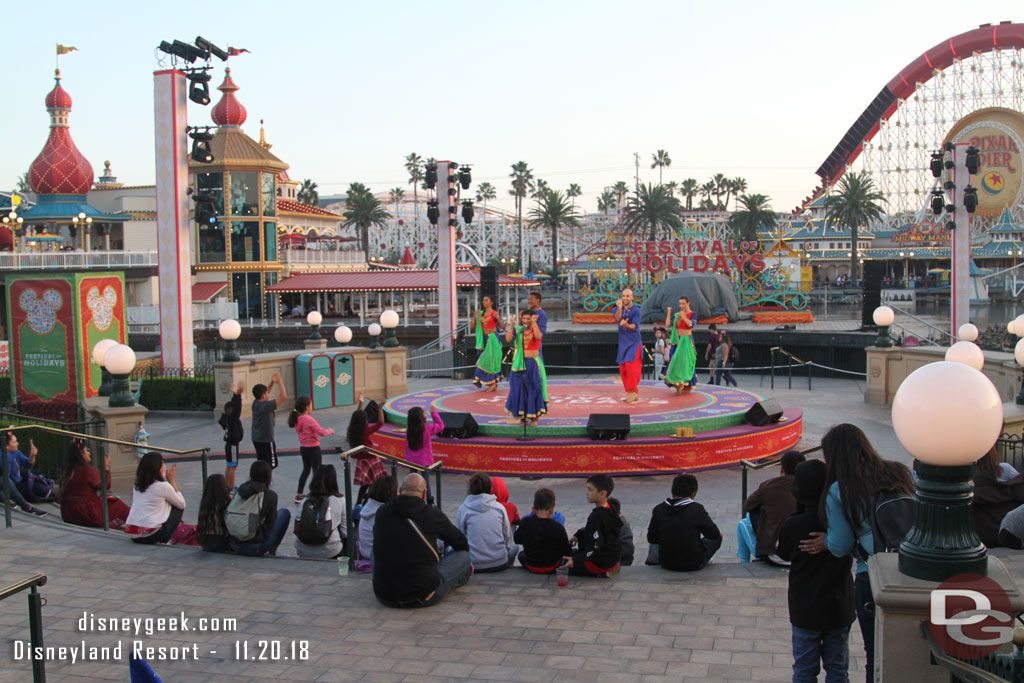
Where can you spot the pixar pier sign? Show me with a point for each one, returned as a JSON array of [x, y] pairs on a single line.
[[676, 256]]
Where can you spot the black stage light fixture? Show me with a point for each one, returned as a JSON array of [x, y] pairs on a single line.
[[467, 211], [452, 222], [951, 225], [432, 212], [970, 198], [452, 191], [973, 160], [936, 164], [949, 147], [205, 212], [201, 151], [204, 44], [950, 208], [187, 52], [948, 163], [452, 166], [430, 177], [938, 202], [199, 87], [465, 177]]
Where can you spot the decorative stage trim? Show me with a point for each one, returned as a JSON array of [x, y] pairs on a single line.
[[609, 319], [783, 317]]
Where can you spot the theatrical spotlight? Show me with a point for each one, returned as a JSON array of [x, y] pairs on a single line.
[[970, 198], [199, 88], [206, 214], [432, 211], [204, 44], [936, 164], [467, 211], [430, 177], [938, 202], [201, 151], [464, 177], [189, 53], [973, 160]]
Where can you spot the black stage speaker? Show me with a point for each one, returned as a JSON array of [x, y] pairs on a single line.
[[372, 412], [608, 426], [489, 285], [873, 272], [764, 412], [458, 425]]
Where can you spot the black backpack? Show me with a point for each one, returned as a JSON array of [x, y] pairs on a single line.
[[891, 517], [314, 524]]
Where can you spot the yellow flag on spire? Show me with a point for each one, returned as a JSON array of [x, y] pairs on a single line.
[[63, 50]]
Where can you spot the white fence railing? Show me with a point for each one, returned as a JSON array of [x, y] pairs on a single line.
[[58, 260], [318, 256], [147, 318]]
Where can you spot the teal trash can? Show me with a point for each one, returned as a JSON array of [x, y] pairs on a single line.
[[344, 373], [313, 378]]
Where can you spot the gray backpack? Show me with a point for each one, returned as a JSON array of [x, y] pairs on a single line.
[[242, 517]]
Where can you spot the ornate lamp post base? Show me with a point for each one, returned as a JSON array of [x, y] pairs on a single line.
[[883, 340], [231, 351], [104, 389], [121, 393]]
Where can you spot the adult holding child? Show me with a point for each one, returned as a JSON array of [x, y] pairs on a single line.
[[526, 385], [488, 347], [80, 502], [682, 369], [629, 358]]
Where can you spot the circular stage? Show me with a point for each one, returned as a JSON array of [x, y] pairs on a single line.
[[559, 446]]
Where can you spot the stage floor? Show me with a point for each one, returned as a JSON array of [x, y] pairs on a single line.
[[559, 446], [570, 403]]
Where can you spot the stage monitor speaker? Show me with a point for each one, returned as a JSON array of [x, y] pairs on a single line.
[[764, 412], [458, 425], [608, 426], [372, 412], [873, 272], [489, 284]]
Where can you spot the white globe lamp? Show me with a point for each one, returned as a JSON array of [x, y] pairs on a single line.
[[343, 334], [120, 361], [389, 321], [374, 329], [966, 352], [229, 331], [1018, 354], [968, 332], [98, 352], [314, 319], [883, 316]]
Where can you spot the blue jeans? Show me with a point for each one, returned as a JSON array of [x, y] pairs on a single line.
[[270, 543], [865, 604], [831, 648], [453, 570], [723, 371]]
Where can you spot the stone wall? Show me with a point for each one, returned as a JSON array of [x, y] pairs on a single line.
[[887, 368]]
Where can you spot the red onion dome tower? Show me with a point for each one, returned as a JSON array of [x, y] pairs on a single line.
[[60, 168], [228, 112]]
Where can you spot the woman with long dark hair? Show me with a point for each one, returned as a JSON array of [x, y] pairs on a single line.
[[682, 368], [369, 468], [998, 488], [488, 347], [526, 384], [856, 474], [211, 531], [309, 432], [724, 361], [324, 484], [418, 448], [80, 502], [157, 504], [381, 491]]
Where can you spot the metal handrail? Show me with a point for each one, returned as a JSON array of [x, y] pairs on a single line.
[[99, 463], [923, 322], [789, 365], [760, 465], [929, 340], [35, 619]]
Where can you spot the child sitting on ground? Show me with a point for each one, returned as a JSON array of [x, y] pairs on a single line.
[[484, 522], [500, 491], [625, 536], [545, 543], [682, 536], [820, 586], [599, 544]]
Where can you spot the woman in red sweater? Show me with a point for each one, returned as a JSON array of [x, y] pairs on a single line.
[[80, 491]]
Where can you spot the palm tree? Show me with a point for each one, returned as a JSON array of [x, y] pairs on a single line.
[[720, 182], [553, 211], [706, 190], [756, 212], [672, 186], [661, 160], [621, 189], [484, 193], [689, 189], [854, 204], [307, 193], [540, 187], [522, 181], [652, 207], [606, 201], [396, 194], [363, 211], [414, 165], [22, 185], [739, 186]]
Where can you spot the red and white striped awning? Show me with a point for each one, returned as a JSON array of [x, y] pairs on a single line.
[[387, 281], [204, 292]]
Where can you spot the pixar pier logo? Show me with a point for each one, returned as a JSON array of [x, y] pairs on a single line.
[[970, 616]]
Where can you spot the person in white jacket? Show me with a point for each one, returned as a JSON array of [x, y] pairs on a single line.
[[485, 523], [381, 491]]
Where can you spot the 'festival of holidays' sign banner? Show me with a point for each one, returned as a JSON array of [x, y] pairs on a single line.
[[676, 256], [41, 324]]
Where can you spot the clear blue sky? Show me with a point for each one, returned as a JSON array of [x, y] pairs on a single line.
[[747, 88]]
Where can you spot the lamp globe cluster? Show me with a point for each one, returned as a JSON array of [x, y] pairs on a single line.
[[118, 360]]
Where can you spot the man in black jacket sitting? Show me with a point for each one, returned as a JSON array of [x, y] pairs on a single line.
[[682, 536], [407, 570]]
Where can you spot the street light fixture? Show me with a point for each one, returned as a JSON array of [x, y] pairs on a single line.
[[120, 361], [374, 330], [314, 319], [389, 321], [947, 415], [343, 334], [883, 316], [98, 352], [229, 331]]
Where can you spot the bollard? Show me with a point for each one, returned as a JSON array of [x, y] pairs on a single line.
[[35, 629]]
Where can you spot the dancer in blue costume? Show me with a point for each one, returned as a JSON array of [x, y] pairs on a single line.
[[534, 301], [525, 395]]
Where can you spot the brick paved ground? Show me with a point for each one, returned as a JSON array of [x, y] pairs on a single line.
[[727, 622]]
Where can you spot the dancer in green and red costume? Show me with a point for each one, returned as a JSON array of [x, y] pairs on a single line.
[[683, 366], [525, 398], [488, 346], [534, 301]]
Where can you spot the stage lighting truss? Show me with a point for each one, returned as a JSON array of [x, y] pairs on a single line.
[[199, 85], [201, 138]]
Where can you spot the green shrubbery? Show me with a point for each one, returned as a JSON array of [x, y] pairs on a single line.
[[177, 393]]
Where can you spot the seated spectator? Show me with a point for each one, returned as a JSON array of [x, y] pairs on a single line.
[[500, 491], [1011, 529], [211, 531], [31, 484], [80, 502], [485, 524], [273, 522], [681, 534], [766, 509], [15, 459], [820, 586], [998, 489], [599, 544], [407, 569], [625, 536], [324, 497], [157, 504], [381, 491], [545, 543]]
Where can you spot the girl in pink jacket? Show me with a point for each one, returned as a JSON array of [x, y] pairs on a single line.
[[418, 448], [309, 431]]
